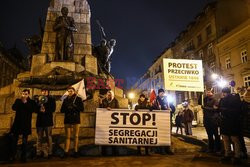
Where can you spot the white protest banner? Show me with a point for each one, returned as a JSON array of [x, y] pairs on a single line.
[[183, 75], [132, 128]]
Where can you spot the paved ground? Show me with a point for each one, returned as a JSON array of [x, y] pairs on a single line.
[[200, 133], [177, 160], [190, 160]]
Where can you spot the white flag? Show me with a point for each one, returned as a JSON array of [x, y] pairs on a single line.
[[80, 90]]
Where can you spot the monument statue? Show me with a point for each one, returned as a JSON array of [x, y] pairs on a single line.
[[64, 28], [34, 43], [105, 50]]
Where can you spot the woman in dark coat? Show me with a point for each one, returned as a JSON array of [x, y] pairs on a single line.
[[188, 117], [142, 104], [72, 107], [24, 108]]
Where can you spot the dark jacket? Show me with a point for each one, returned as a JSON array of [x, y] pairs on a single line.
[[112, 104], [72, 111], [179, 119], [209, 113], [23, 116], [188, 115], [230, 108], [162, 104], [142, 104], [45, 119]]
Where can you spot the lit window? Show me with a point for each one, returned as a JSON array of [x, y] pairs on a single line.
[[228, 63], [246, 80], [244, 56], [210, 49]]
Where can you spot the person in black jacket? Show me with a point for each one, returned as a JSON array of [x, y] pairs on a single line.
[[44, 122], [142, 104], [109, 102], [72, 107], [24, 108], [161, 103], [210, 113], [229, 107]]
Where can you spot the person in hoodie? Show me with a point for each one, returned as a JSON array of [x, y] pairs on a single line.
[[44, 122], [142, 104]]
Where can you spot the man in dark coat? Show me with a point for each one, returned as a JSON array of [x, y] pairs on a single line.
[[161, 103], [188, 117], [44, 122], [229, 106], [24, 108], [209, 117], [72, 107], [109, 102]]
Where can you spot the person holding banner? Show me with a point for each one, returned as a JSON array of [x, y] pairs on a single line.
[[71, 107], [161, 103], [109, 102], [142, 104]]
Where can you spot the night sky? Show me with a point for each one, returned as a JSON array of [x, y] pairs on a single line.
[[142, 28]]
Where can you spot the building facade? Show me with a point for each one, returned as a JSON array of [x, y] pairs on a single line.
[[12, 63], [233, 52], [217, 33]]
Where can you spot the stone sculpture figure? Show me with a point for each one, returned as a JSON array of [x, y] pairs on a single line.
[[64, 28], [105, 50]]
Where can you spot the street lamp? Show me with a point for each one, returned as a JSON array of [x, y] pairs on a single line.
[[131, 96], [219, 80], [214, 76], [222, 83]]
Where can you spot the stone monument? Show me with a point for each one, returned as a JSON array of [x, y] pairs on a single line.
[[61, 62]]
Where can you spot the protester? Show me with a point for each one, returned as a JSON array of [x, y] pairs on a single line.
[[24, 108], [161, 103], [44, 123], [72, 107], [179, 122], [188, 117], [241, 92], [229, 106], [109, 102], [210, 119], [142, 104]]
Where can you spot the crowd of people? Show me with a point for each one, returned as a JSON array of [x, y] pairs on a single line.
[[221, 119]]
